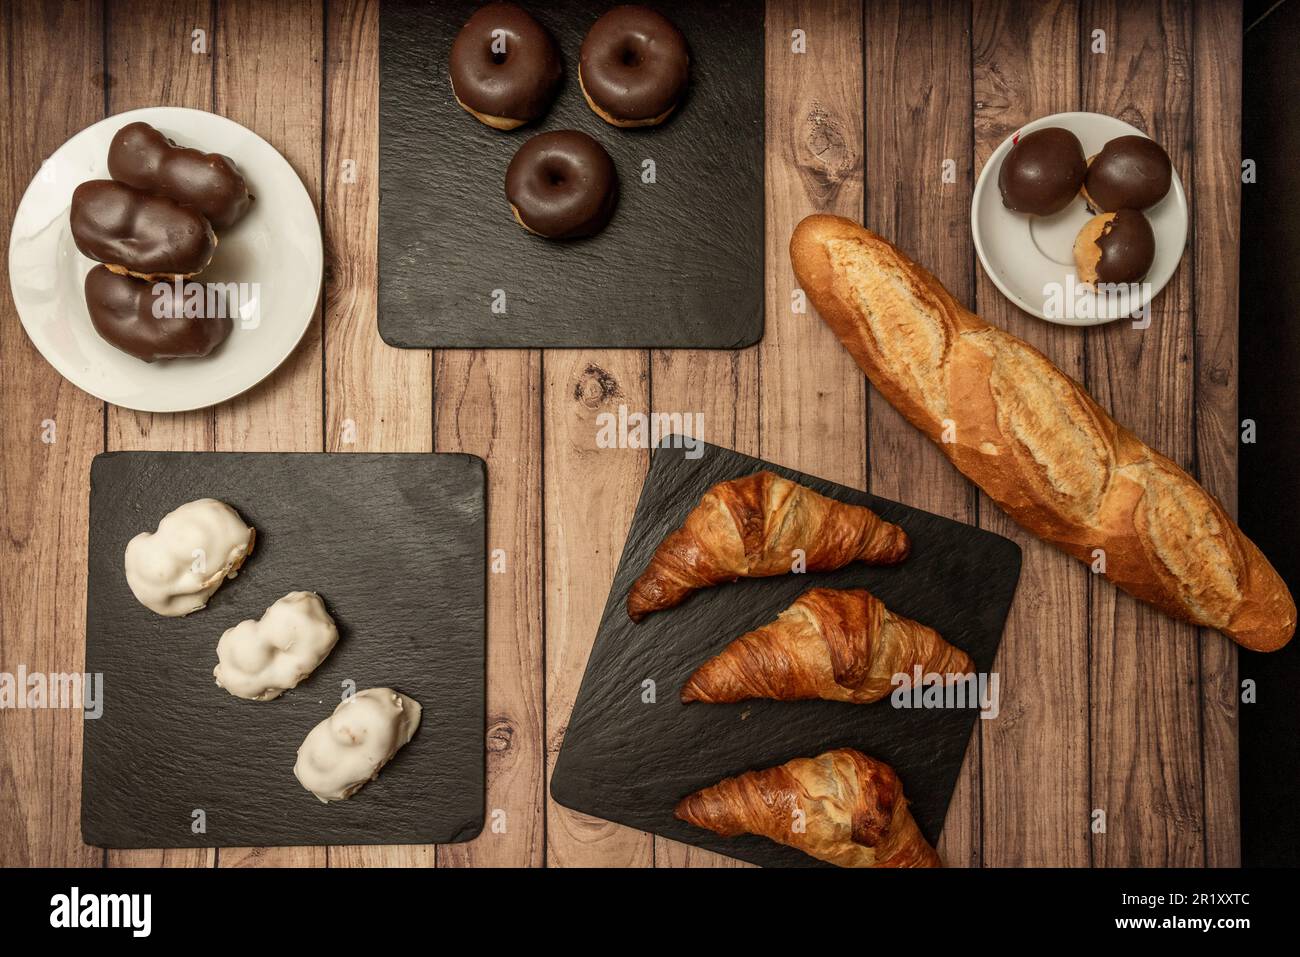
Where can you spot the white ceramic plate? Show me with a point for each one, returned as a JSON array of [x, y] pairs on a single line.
[[1031, 258], [277, 246]]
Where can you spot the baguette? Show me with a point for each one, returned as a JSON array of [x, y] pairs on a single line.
[[1036, 442]]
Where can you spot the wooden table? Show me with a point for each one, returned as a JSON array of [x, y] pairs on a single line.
[[1117, 739]]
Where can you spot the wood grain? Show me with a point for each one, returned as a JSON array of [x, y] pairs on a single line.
[[813, 397], [152, 61], [1035, 754], [269, 77], [589, 496], [1216, 222], [377, 399], [1146, 763], [1105, 704], [722, 387], [489, 404], [52, 55], [918, 189]]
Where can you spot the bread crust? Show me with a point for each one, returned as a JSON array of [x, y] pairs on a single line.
[[1036, 442]]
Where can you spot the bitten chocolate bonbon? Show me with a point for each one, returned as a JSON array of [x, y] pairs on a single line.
[[1115, 247], [139, 233], [1043, 172], [145, 159], [1130, 172]]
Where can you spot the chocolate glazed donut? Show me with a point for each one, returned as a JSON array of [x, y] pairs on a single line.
[[562, 185], [633, 67], [122, 310], [505, 66]]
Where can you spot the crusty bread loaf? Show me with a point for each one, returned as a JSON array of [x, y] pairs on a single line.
[[1035, 441]]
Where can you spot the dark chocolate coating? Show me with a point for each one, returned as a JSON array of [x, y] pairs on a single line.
[[143, 158], [144, 233], [562, 184], [634, 63], [1130, 172], [518, 84], [1042, 172], [1128, 248], [122, 309]]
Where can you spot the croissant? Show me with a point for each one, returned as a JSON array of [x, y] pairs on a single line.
[[750, 528], [842, 807], [830, 644]]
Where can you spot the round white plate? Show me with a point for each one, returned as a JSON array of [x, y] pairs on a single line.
[[1031, 258], [276, 249]]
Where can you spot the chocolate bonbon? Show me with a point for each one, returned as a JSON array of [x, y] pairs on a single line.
[[1130, 172], [145, 159], [1115, 247], [139, 233], [1043, 172]]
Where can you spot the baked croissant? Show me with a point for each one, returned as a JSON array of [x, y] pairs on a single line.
[[750, 528], [831, 644], [842, 807]]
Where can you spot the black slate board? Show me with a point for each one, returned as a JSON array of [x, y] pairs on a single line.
[[680, 265], [630, 762], [395, 545]]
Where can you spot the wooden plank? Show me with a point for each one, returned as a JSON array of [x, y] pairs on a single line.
[[269, 77], [490, 404], [154, 61], [1146, 750], [918, 94], [722, 387], [1216, 216], [589, 494], [377, 399], [52, 57], [813, 403], [1035, 776]]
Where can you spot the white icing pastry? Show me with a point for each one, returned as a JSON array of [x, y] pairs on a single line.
[[175, 570], [351, 746], [259, 659]]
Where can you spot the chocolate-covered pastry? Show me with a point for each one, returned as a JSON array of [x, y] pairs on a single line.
[[562, 185], [1115, 248], [131, 315], [143, 158], [633, 67], [505, 66], [1130, 172], [1042, 172], [139, 233]]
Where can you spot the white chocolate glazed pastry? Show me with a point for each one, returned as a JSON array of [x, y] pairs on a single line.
[[350, 747], [259, 659], [197, 546]]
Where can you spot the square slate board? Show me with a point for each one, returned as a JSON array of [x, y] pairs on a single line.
[[679, 266], [630, 762], [395, 545]]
